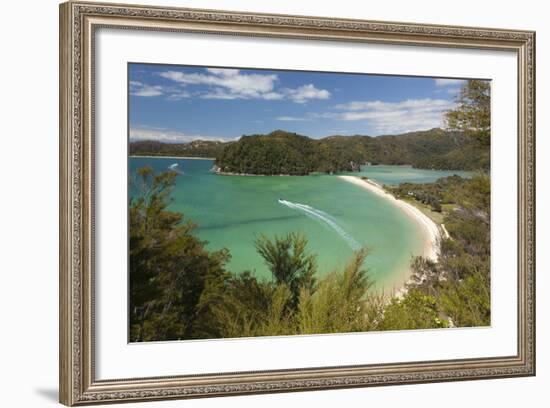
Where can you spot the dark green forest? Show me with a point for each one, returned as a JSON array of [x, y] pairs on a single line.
[[180, 290], [282, 152], [196, 148]]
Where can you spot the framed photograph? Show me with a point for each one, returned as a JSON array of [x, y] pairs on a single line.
[[256, 203]]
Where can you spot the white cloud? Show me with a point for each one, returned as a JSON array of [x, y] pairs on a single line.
[[139, 89], [227, 83], [395, 117], [219, 93], [380, 106], [165, 135], [224, 83], [223, 71], [448, 82], [292, 119], [449, 90], [272, 96], [178, 95], [453, 91], [150, 127], [305, 92]]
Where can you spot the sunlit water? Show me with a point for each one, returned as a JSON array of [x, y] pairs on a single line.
[[336, 216]]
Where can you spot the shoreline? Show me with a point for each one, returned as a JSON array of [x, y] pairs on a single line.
[[172, 157], [225, 173], [432, 231]]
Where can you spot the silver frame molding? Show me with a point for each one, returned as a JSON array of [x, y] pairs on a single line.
[[78, 22]]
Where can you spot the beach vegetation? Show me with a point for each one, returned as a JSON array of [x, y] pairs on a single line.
[[415, 310], [460, 281]]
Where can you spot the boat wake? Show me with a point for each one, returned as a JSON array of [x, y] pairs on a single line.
[[175, 167], [325, 218]]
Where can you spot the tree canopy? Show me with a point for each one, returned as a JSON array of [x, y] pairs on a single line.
[[289, 153], [473, 113]]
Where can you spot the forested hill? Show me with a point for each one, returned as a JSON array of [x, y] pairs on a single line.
[[196, 148], [281, 152]]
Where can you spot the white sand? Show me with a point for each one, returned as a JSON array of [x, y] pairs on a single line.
[[431, 230]]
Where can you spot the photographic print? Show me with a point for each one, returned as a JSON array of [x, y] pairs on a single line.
[[261, 218], [273, 202]]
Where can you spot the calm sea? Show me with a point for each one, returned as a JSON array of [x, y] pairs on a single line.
[[336, 216]]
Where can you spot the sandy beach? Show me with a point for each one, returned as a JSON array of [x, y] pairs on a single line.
[[431, 230]]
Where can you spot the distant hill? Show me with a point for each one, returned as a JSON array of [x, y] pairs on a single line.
[[282, 152], [196, 148], [277, 153]]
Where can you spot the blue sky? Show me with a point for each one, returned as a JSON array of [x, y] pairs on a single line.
[[180, 103]]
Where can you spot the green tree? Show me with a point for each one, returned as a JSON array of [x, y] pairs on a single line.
[[468, 302], [414, 311], [473, 113], [340, 303], [169, 267], [246, 307], [289, 262]]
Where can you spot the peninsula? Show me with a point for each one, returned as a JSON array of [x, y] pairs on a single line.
[[286, 153]]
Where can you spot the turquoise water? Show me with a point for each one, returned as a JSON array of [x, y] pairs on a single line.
[[393, 175], [337, 216]]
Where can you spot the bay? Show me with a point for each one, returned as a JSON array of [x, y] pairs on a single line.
[[336, 216]]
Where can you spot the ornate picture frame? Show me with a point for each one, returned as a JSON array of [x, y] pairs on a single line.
[[78, 24]]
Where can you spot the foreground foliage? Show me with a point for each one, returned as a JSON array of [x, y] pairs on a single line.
[[170, 268]]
